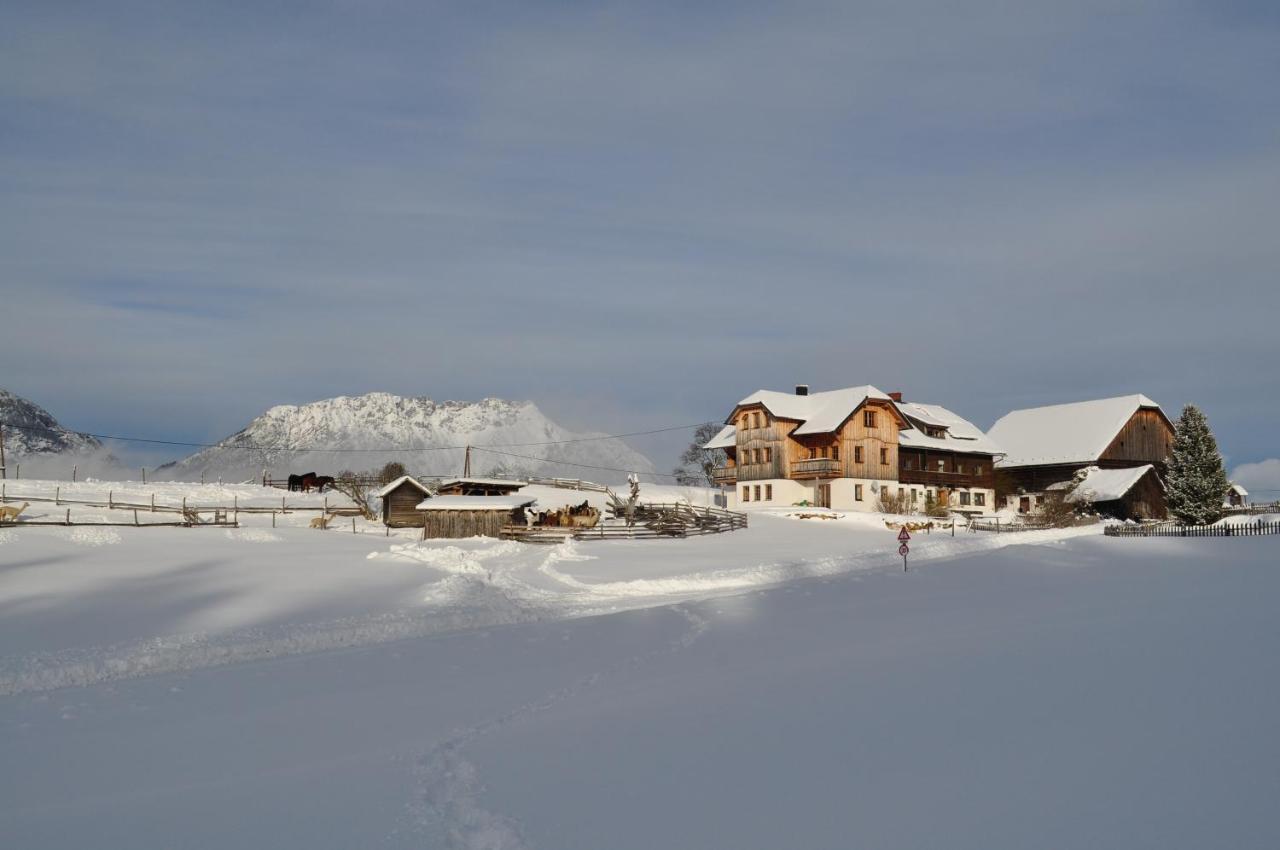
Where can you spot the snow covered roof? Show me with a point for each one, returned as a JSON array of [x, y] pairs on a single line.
[[403, 479], [726, 439], [474, 503], [485, 482], [1064, 433], [961, 434], [1105, 485], [1237, 489], [818, 413]]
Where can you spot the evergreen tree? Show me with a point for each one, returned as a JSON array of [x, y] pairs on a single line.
[[1196, 482]]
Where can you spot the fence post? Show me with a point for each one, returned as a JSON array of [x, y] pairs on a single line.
[[110, 500], [68, 516], [57, 495], [135, 516], [73, 474], [153, 503], [273, 519], [353, 525]]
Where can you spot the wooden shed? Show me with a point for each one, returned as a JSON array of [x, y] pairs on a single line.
[[479, 487], [470, 516], [400, 500]]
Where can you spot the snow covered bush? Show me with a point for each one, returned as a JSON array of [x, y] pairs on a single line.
[[1196, 483]]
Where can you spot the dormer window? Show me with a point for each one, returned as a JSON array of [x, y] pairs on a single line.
[[935, 432]]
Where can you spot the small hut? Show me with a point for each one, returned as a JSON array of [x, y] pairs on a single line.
[[470, 516], [400, 500], [1135, 493], [1237, 497], [479, 487]]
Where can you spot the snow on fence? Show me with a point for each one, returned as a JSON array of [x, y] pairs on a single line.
[[1238, 510], [1002, 527], [1168, 530]]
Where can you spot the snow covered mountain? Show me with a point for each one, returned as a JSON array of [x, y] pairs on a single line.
[[426, 436], [32, 430]]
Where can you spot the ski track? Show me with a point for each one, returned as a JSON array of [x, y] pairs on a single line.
[[494, 586], [449, 805]]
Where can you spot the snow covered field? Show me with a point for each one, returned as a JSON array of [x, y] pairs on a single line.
[[783, 686]]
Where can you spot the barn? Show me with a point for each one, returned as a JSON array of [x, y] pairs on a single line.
[[400, 500], [1124, 493], [479, 487], [470, 516]]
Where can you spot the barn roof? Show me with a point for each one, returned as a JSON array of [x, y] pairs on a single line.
[[394, 485], [485, 482], [474, 503], [1064, 433], [1105, 485]]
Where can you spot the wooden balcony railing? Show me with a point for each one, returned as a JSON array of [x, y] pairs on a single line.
[[724, 474], [933, 477], [815, 466]]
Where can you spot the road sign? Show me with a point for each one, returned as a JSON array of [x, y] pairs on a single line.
[[903, 550], [903, 535]]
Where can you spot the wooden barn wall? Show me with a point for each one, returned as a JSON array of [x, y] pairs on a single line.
[[464, 523], [1145, 438], [958, 470], [1145, 500]]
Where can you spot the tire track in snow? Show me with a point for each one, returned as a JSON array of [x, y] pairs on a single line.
[[449, 805]]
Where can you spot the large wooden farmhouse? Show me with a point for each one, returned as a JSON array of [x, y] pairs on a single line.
[[1045, 447], [846, 448]]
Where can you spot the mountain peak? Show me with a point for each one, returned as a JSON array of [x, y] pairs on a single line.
[[367, 431], [33, 430]]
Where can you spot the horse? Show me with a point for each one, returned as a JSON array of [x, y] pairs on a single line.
[[301, 482], [322, 481]]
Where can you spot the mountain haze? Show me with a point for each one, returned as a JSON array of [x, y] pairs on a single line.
[[365, 432]]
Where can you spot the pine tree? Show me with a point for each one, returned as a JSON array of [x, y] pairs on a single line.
[[1196, 482]]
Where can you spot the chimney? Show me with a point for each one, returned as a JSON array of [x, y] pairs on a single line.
[[896, 396], [802, 389]]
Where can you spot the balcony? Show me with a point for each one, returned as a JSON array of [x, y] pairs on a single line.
[[815, 467], [936, 478], [724, 474]]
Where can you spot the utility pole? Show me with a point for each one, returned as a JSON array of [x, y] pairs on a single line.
[[466, 464]]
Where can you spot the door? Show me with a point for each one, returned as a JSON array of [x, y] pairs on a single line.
[[824, 496], [1024, 505]]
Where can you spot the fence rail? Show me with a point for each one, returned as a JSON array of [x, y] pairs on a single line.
[[1004, 527], [1165, 530], [1249, 510]]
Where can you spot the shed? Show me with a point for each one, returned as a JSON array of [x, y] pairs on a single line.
[[1134, 493], [399, 502], [479, 487], [470, 516], [1236, 496]]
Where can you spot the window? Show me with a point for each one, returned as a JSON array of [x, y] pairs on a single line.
[[908, 462], [813, 452], [826, 452], [768, 492], [902, 492], [884, 455], [756, 453], [914, 495], [942, 465], [835, 452], [857, 454], [977, 469], [960, 466], [768, 455], [964, 497], [869, 418], [979, 499], [857, 492], [757, 492], [746, 494]]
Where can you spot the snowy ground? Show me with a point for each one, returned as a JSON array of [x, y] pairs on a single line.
[[784, 686]]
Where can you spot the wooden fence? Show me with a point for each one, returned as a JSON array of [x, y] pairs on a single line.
[[651, 521], [1171, 530], [1003, 527], [1249, 510]]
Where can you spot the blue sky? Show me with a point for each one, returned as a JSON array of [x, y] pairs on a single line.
[[635, 214]]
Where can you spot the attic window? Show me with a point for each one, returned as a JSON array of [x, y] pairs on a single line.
[[869, 418]]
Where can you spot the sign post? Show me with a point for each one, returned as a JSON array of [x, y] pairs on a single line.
[[903, 537]]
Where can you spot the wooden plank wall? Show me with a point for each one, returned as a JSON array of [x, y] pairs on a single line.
[[399, 507], [883, 435], [1145, 438]]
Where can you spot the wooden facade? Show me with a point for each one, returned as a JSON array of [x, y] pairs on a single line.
[[478, 487], [1146, 438], [467, 522]]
